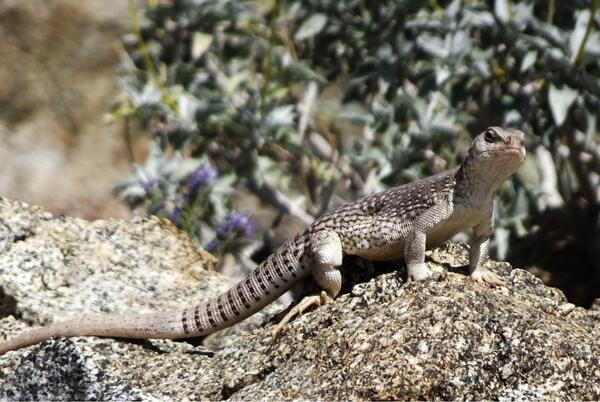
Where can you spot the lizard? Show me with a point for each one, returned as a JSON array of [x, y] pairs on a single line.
[[401, 222]]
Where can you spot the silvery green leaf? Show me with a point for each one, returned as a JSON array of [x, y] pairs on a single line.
[[433, 45], [134, 191], [386, 52], [528, 61], [513, 118], [269, 171], [424, 22], [482, 67], [187, 105], [153, 163], [502, 10], [301, 72], [311, 27], [592, 48], [436, 116], [441, 75], [460, 43], [200, 44], [501, 237], [373, 154], [223, 185], [578, 33], [178, 168], [403, 47], [520, 211], [478, 19], [414, 172], [522, 14], [442, 122], [485, 55], [560, 100], [150, 94], [557, 55], [590, 133], [373, 182], [281, 116], [452, 9], [235, 80], [355, 117]]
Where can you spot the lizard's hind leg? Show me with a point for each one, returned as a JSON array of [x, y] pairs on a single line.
[[324, 255]]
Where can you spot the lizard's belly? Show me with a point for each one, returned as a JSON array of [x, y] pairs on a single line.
[[387, 244], [390, 251], [437, 236]]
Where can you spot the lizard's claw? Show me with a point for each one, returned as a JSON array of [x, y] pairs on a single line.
[[482, 275], [298, 309]]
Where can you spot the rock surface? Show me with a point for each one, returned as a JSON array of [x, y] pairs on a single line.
[[382, 339]]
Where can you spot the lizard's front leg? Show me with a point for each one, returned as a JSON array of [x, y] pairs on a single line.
[[324, 255], [416, 239], [478, 253]]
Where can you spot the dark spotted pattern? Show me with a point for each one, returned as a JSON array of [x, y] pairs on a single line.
[[379, 222]]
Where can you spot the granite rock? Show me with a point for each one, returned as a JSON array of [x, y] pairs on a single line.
[[380, 339]]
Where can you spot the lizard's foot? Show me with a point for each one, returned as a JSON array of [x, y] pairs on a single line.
[[298, 309], [418, 272], [482, 275]]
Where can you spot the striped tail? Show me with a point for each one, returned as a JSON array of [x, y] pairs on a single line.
[[272, 278], [276, 275]]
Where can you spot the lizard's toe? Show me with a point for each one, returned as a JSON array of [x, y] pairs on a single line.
[[298, 309], [485, 276]]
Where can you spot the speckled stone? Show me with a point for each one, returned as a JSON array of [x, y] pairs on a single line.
[[380, 339], [453, 339], [56, 268]]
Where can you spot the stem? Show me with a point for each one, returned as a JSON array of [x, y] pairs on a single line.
[[267, 65], [551, 8], [593, 8], [434, 5], [128, 142], [143, 49], [285, 37]]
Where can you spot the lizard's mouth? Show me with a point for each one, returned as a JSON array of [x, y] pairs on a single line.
[[510, 150]]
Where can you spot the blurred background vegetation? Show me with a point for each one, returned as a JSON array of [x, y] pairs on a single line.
[[309, 104], [246, 120]]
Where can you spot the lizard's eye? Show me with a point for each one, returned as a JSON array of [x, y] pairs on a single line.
[[490, 136]]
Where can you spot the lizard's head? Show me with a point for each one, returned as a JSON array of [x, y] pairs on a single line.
[[500, 149]]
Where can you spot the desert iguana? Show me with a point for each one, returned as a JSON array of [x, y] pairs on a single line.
[[401, 222]]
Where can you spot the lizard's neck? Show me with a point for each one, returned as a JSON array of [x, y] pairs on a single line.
[[476, 183]]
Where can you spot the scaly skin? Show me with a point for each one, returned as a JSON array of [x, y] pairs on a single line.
[[401, 222]]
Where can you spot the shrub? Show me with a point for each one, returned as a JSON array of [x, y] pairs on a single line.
[[310, 104]]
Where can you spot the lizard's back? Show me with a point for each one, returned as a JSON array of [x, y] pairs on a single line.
[[375, 227]]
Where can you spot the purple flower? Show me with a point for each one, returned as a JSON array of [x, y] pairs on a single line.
[[234, 222], [201, 177], [148, 185], [212, 245], [174, 215]]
